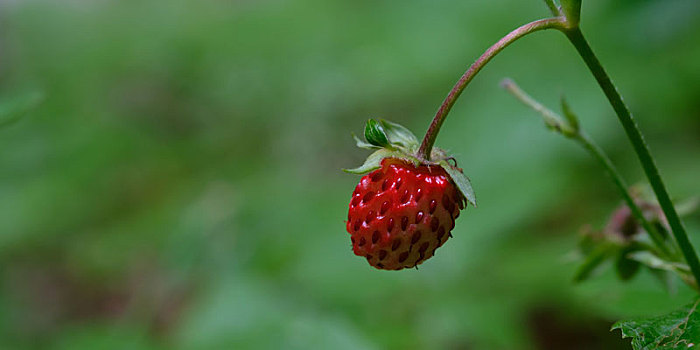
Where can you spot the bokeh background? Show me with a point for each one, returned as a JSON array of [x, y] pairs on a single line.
[[177, 183]]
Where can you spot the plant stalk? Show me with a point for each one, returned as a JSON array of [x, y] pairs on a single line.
[[552, 7], [576, 37], [600, 155], [431, 134], [569, 26], [587, 143]]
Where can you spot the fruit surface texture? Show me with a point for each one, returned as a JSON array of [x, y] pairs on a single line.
[[401, 213]]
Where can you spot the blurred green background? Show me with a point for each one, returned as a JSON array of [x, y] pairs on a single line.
[[178, 185]]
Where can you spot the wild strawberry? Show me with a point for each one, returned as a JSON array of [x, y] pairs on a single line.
[[401, 213], [406, 208]]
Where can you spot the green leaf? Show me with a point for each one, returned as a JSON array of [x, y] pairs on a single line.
[[679, 329], [462, 181], [373, 161], [13, 109], [375, 134], [594, 260], [399, 135]]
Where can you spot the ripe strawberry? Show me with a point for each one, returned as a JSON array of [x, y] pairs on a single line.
[[403, 211]]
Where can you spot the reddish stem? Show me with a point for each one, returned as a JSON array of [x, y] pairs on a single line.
[[431, 134]]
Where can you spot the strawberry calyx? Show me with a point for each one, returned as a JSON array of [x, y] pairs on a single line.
[[391, 140]]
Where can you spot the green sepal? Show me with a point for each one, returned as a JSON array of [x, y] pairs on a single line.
[[649, 259], [389, 140], [374, 161], [398, 135], [363, 144], [462, 181], [569, 115], [375, 134]]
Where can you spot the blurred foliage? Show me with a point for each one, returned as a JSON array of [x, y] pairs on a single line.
[[14, 108], [178, 186]]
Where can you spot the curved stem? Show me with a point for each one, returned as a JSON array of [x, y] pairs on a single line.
[[600, 155], [431, 134], [639, 145]]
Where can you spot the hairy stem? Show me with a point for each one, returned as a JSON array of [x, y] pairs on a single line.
[[635, 136], [431, 134]]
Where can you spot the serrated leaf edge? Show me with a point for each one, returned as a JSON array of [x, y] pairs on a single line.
[[630, 331]]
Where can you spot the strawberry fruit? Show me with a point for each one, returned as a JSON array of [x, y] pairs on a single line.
[[405, 208]]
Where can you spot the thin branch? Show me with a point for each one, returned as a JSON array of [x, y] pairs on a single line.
[[557, 122], [431, 134]]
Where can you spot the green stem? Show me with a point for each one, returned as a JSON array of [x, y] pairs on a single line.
[[555, 121], [431, 134], [600, 155], [634, 135], [552, 7]]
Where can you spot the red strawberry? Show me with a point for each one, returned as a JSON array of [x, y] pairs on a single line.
[[401, 213], [406, 208]]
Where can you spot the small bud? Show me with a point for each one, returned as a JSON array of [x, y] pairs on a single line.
[[375, 134], [569, 115], [624, 225], [567, 127]]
